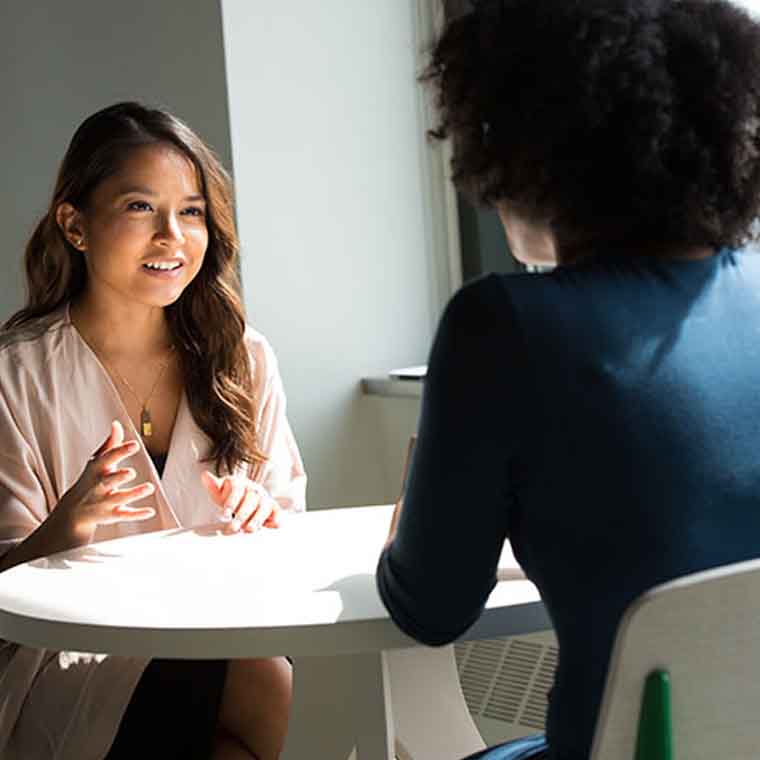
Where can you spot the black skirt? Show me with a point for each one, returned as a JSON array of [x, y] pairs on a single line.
[[173, 712]]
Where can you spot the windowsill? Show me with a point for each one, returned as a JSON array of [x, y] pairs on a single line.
[[385, 386]]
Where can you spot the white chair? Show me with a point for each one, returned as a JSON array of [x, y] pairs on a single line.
[[695, 643]]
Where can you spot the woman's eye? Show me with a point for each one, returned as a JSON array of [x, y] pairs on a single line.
[[139, 206], [193, 211]]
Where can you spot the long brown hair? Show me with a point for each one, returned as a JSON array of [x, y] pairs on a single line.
[[207, 321]]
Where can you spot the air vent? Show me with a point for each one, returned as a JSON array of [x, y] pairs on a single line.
[[507, 679]]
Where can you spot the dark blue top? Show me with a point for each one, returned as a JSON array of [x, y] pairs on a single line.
[[606, 419]]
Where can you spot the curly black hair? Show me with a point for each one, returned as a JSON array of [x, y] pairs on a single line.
[[623, 122]]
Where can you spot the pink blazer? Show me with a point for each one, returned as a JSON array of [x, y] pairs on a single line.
[[56, 406]]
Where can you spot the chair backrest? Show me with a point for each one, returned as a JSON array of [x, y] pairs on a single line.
[[704, 630]]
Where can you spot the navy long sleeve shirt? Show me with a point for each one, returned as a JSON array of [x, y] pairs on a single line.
[[604, 418]]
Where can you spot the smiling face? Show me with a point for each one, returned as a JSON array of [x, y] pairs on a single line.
[[144, 232]]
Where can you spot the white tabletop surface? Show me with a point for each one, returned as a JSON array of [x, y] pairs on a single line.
[[307, 588]]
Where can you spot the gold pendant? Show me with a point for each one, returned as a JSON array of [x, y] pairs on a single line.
[[146, 426]]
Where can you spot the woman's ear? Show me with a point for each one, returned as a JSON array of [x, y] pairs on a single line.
[[69, 221]]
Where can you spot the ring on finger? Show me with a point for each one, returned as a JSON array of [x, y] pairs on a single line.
[[232, 511], [234, 498]]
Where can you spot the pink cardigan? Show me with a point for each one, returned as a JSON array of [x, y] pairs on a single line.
[[56, 406]]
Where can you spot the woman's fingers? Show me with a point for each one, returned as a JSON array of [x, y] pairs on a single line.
[[113, 480], [244, 511], [96, 498], [131, 514], [235, 494], [118, 509], [217, 487], [261, 513], [260, 516], [120, 498], [115, 438], [125, 513], [110, 439], [117, 434], [245, 503], [273, 521], [111, 458]]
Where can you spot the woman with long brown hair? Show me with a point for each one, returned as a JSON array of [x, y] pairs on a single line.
[[133, 345]]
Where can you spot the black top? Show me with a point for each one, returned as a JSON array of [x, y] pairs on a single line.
[[606, 419], [159, 460]]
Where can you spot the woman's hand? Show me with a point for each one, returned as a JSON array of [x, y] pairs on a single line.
[[245, 503], [95, 499]]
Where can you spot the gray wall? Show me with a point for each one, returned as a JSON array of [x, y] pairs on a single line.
[[61, 61], [483, 241]]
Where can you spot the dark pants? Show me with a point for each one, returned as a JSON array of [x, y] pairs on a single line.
[[173, 712]]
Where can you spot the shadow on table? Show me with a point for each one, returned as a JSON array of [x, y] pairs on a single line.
[[99, 552], [359, 596], [89, 554]]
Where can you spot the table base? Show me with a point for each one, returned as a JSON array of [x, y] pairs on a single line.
[[404, 704]]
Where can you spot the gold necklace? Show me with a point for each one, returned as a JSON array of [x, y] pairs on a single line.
[[146, 424]]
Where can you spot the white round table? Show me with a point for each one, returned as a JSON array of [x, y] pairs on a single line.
[[306, 590]]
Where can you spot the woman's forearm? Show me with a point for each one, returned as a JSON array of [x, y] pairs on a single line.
[[55, 534]]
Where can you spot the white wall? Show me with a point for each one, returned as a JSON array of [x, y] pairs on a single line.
[[328, 149], [61, 61]]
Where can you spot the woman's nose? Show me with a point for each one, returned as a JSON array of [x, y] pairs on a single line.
[[170, 229]]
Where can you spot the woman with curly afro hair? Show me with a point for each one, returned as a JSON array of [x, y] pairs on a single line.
[[602, 416]]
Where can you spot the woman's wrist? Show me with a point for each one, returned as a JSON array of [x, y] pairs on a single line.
[[66, 531], [57, 533]]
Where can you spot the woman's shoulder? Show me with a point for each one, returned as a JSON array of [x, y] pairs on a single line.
[[517, 306], [497, 289], [32, 339], [492, 297], [263, 357], [30, 358]]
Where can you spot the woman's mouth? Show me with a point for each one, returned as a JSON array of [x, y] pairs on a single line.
[[165, 270]]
